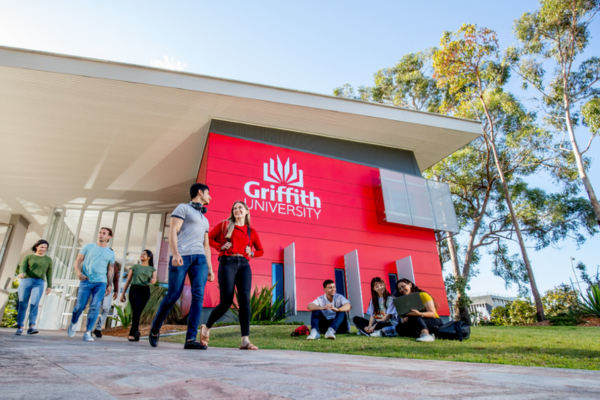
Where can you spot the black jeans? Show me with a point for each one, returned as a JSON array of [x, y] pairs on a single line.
[[234, 272], [361, 323], [339, 323], [414, 326], [138, 298]]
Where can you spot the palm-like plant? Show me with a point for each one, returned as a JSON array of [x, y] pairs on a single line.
[[589, 304], [157, 293], [262, 306], [123, 315]]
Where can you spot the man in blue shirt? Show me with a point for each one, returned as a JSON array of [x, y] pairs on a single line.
[[189, 243], [94, 267]]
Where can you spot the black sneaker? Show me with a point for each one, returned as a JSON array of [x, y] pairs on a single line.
[[98, 333], [153, 338], [194, 345], [32, 331]]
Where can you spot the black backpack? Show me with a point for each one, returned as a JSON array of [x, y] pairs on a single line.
[[454, 330]]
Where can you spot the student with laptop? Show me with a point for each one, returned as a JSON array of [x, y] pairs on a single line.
[[381, 310], [421, 322], [329, 313]]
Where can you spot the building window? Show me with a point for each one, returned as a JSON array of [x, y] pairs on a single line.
[[340, 282], [393, 278], [277, 275]]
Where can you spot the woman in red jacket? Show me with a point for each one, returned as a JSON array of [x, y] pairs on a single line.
[[234, 239]]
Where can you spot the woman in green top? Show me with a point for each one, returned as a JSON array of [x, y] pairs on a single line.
[[140, 276], [34, 268]]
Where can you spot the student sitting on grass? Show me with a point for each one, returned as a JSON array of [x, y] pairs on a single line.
[[418, 323], [381, 310], [329, 313]]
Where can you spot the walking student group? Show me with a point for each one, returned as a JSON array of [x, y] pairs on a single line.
[[190, 240]]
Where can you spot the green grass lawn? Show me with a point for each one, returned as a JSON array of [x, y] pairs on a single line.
[[556, 347]]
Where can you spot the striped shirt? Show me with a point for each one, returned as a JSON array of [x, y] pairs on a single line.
[[190, 238]]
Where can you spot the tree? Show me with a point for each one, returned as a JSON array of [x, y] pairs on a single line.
[[556, 35], [468, 64], [408, 84], [560, 300]]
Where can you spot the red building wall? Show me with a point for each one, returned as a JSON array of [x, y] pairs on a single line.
[[350, 217]]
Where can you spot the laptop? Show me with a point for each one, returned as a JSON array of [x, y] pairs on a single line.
[[409, 302]]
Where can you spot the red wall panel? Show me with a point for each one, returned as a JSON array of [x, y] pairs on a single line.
[[350, 217]]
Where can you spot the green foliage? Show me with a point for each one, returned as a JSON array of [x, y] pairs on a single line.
[[518, 312], [9, 319], [590, 302], [123, 315], [157, 293], [262, 306], [591, 115], [565, 319], [559, 301]]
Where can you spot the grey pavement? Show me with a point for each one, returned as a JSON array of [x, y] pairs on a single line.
[[51, 365]]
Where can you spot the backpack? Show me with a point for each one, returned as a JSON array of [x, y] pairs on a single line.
[[454, 330]]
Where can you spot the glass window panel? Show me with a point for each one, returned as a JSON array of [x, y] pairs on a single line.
[[340, 281], [419, 201], [120, 235], [395, 197], [153, 232], [443, 207], [136, 237], [106, 220]]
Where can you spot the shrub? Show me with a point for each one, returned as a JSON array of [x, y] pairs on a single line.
[[123, 315], [559, 300], [521, 312], [262, 306], [565, 319], [157, 293], [589, 304], [9, 320], [499, 316]]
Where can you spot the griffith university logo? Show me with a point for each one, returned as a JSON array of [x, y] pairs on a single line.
[[284, 198]]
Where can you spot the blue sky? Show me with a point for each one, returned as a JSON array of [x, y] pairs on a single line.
[[305, 45]]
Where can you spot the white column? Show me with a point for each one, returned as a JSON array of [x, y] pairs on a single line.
[[12, 256], [289, 274], [354, 285]]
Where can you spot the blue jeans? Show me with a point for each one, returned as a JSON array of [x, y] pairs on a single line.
[[196, 267], [86, 290], [339, 323], [30, 292]]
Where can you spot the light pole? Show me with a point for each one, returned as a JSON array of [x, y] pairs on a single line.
[[573, 268]]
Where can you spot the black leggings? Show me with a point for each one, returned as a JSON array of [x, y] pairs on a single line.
[[361, 323], [138, 298], [234, 272], [414, 326]]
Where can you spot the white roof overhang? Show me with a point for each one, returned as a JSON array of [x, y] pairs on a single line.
[[92, 133]]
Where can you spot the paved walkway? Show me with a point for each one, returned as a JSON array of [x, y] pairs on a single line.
[[52, 366]]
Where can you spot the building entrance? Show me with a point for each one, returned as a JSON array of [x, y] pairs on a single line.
[[69, 230]]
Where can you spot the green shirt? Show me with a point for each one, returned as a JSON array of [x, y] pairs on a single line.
[[141, 274], [37, 267]]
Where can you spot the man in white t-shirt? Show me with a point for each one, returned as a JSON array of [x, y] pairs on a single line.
[[329, 313]]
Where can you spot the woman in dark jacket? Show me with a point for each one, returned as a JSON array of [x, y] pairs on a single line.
[[235, 240]]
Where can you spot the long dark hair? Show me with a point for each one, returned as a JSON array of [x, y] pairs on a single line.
[[150, 257], [375, 295], [39, 242], [413, 288]]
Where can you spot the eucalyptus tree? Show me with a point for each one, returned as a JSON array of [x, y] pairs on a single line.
[[468, 65], [554, 37]]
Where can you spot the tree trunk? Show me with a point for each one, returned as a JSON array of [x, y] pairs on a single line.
[[580, 167], [534, 290], [462, 313]]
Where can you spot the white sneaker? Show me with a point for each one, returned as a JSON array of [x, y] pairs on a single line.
[[330, 334], [314, 334], [72, 330], [426, 338], [87, 337], [376, 333]]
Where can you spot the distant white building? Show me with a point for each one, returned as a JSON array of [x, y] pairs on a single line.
[[484, 303]]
